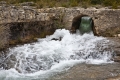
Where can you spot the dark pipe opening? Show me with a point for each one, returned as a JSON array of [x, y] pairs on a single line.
[[76, 24]]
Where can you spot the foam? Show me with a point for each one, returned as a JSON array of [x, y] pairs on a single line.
[[47, 56]]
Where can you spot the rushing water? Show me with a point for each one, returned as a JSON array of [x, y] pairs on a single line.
[[39, 60]]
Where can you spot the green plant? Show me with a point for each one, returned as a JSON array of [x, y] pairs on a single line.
[[73, 3], [96, 2], [67, 3], [113, 3]]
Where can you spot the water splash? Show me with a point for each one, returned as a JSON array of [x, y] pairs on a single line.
[[54, 53]]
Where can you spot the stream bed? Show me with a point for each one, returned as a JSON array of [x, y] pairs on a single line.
[[58, 53]]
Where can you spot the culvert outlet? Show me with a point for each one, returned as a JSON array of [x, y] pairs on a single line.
[[85, 25]]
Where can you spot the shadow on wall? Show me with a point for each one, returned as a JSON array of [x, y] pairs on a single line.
[[76, 24], [25, 32]]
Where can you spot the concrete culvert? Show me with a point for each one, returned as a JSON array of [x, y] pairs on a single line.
[[84, 23]]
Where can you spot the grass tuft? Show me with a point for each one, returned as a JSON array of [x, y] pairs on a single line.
[[68, 3]]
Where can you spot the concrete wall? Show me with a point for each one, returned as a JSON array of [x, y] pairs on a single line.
[[106, 21]]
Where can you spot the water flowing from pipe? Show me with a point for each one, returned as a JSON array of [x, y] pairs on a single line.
[[86, 25], [54, 54]]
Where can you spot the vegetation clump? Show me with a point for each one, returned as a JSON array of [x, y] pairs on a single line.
[[68, 3]]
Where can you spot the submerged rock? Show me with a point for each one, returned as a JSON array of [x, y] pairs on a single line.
[[116, 47]]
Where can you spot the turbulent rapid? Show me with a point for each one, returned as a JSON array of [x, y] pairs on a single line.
[[55, 53]]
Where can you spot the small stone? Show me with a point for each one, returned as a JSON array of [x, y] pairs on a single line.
[[115, 35], [118, 35], [91, 8], [117, 59]]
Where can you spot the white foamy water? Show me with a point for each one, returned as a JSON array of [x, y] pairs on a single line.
[[39, 60]]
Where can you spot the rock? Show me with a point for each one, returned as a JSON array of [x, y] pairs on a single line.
[[114, 78], [117, 51], [27, 4], [106, 21], [60, 38], [3, 3], [118, 35], [117, 58], [98, 6], [90, 72], [118, 7], [115, 45], [91, 8], [54, 39]]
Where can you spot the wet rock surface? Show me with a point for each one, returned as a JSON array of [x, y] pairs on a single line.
[[95, 72], [90, 72], [116, 47]]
